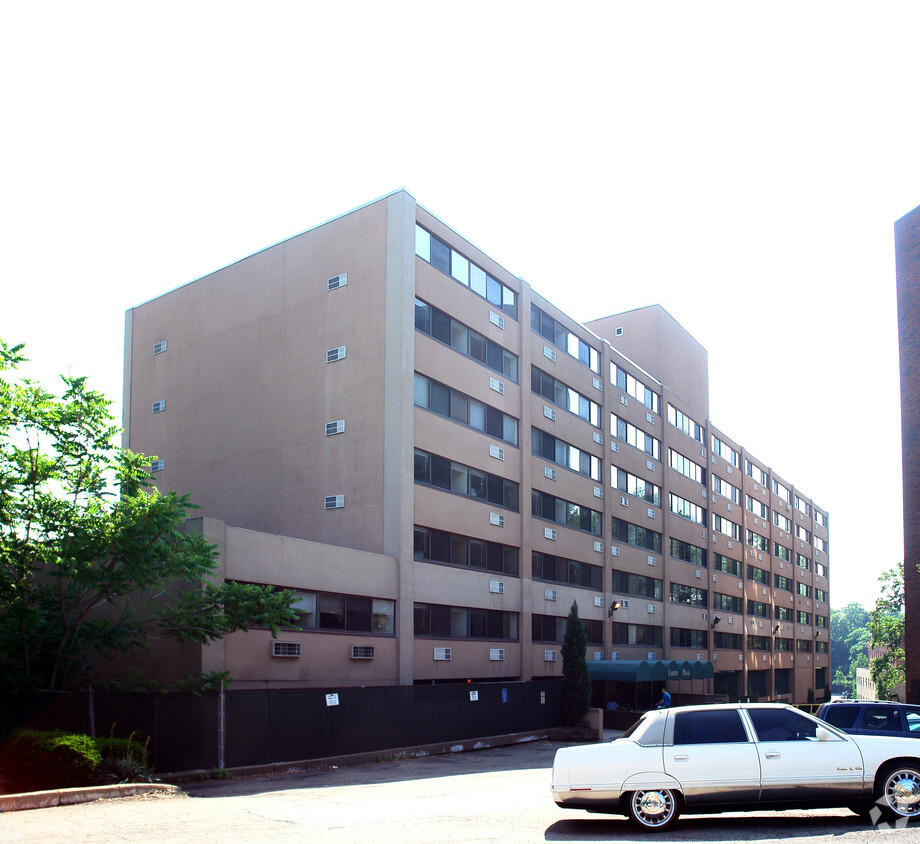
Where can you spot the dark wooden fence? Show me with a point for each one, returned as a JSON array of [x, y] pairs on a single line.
[[240, 728]]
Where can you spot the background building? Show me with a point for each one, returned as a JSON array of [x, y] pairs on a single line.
[[377, 414], [907, 255]]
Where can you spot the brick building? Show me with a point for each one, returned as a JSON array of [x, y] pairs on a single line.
[[907, 254], [380, 416]]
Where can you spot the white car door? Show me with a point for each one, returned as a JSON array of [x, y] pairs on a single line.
[[796, 765], [712, 757]]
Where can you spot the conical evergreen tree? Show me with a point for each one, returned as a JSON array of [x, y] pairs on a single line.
[[577, 695]]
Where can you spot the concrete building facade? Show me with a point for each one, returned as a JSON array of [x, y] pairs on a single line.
[[907, 262], [378, 415]]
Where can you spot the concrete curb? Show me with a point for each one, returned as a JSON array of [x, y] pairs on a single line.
[[69, 796]]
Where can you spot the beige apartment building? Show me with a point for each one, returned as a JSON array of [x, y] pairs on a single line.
[[439, 461]]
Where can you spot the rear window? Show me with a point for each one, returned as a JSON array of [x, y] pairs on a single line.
[[715, 727], [843, 717], [913, 719], [881, 719]]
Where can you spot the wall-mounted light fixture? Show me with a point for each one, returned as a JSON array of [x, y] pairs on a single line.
[[715, 620]]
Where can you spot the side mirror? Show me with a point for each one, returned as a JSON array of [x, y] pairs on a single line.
[[823, 735]]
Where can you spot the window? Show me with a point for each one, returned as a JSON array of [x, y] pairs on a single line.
[[758, 643], [546, 506], [755, 472], [758, 575], [348, 613], [802, 534], [803, 617], [558, 451], [682, 637], [631, 435], [637, 634], [438, 546], [635, 486], [803, 562], [452, 404], [726, 564], [439, 472], [727, 603], [757, 507], [725, 451], [635, 535], [549, 628], [820, 518], [782, 725], [781, 582], [802, 506], [686, 509], [681, 550], [782, 645], [758, 608], [635, 584], [635, 388], [444, 622], [437, 253], [557, 334], [781, 491], [727, 641], [782, 552], [725, 527], [684, 423], [715, 727], [803, 590], [689, 595], [782, 613], [444, 328], [726, 490], [781, 521], [755, 540], [553, 569], [543, 384], [686, 467]]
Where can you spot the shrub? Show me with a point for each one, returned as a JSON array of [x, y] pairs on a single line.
[[34, 761]]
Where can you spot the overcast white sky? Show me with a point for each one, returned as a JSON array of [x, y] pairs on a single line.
[[739, 163]]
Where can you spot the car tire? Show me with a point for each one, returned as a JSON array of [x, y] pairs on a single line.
[[653, 809], [898, 791]]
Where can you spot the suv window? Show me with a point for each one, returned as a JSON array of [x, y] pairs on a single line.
[[715, 727], [881, 719], [781, 725], [843, 716], [913, 719]]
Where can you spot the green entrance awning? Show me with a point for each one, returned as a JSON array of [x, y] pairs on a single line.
[[648, 670]]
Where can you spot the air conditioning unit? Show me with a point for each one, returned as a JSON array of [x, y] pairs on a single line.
[[651, 608], [549, 353], [442, 654], [598, 601], [549, 594], [496, 452], [496, 654], [157, 465], [496, 319], [335, 354], [497, 586], [333, 502], [337, 281], [337, 427], [289, 649], [614, 654], [362, 652], [498, 386], [549, 656], [496, 519], [598, 656], [159, 348], [549, 533], [158, 406]]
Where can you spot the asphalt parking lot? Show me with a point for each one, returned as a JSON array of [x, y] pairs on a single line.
[[499, 794]]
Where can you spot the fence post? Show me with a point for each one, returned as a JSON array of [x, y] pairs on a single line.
[[221, 730], [92, 712]]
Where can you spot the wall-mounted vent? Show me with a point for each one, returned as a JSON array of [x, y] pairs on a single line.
[[598, 601], [496, 654], [496, 319], [614, 551], [614, 446], [549, 472], [598, 656], [159, 348], [549, 413], [597, 384], [333, 502], [335, 354], [362, 652], [614, 654], [549, 656], [599, 546], [652, 609], [598, 492], [549, 594], [497, 586], [337, 281], [157, 465], [337, 427], [159, 406], [598, 438], [549, 353], [715, 657], [289, 649], [498, 386], [549, 533], [624, 501], [496, 519], [442, 654], [496, 452], [651, 655], [651, 561]]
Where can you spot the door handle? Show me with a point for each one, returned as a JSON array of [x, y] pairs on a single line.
[[772, 755], [681, 758]]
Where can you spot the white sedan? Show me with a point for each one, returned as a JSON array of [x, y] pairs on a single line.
[[737, 757]]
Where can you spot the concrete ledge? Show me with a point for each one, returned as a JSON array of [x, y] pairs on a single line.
[[69, 796]]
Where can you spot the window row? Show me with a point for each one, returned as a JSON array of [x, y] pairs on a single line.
[[564, 454], [725, 451], [449, 261], [686, 467], [452, 404], [631, 435], [348, 613], [554, 569], [634, 387], [441, 622], [681, 550], [440, 546], [443, 327], [557, 334], [634, 485], [635, 535], [432, 470], [556, 392], [546, 506], [550, 628], [684, 423], [636, 584], [686, 509]]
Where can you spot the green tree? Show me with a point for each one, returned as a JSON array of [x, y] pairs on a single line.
[[886, 626], [93, 560], [850, 638], [577, 695]]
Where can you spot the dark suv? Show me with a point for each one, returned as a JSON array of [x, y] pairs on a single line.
[[872, 717]]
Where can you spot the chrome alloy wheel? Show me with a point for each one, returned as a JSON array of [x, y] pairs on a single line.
[[902, 792], [653, 809]]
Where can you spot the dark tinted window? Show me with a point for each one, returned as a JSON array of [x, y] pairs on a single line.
[[841, 716], [881, 719], [715, 727], [913, 719], [782, 725]]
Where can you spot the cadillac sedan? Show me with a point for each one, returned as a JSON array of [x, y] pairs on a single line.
[[737, 757]]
